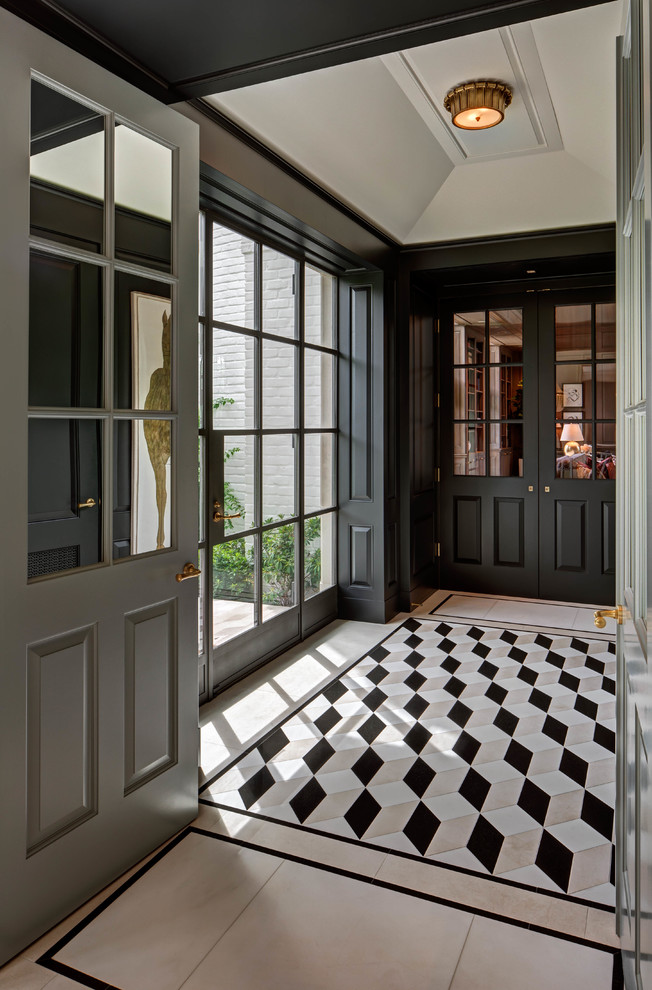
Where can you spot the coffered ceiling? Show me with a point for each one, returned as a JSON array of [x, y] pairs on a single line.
[[374, 132]]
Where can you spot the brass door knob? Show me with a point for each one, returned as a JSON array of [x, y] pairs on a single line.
[[189, 571], [88, 504], [600, 617]]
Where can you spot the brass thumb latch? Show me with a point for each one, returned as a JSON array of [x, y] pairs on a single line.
[[218, 516], [600, 617]]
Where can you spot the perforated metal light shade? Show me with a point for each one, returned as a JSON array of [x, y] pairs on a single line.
[[474, 106]]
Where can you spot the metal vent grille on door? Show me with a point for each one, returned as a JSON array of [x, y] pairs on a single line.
[[41, 562]]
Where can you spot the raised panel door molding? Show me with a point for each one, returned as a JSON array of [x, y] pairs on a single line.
[[570, 535], [361, 556], [61, 735], [509, 532], [151, 730], [467, 529], [360, 393]]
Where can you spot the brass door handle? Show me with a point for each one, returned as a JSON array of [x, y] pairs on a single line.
[[88, 504], [189, 571], [600, 617], [218, 516]]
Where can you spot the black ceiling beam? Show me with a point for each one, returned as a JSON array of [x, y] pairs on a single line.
[[183, 49], [468, 18]]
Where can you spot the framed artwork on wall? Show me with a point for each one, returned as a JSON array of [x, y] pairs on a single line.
[[572, 396]]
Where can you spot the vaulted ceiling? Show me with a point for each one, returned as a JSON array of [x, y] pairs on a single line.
[[375, 133], [351, 94]]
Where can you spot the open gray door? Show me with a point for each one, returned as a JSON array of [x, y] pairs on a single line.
[[634, 512], [98, 387]]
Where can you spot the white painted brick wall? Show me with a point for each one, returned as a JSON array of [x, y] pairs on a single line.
[[233, 362]]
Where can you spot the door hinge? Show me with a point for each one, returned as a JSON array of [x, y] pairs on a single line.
[[437, 400], [437, 474], [437, 549], [437, 325]]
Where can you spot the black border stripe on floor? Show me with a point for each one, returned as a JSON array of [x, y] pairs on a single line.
[[47, 959], [420, 859], [523, 601], [301, 706], [413, 857]]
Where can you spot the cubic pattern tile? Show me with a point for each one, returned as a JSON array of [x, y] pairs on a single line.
[[487, 749]]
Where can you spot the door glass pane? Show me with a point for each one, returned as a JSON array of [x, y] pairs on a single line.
[[505, 450], [605, 391], [279, 293], [318, 554], [319, 307], [469, 394], [200, 382], [233, 588], [574, 391], [202, 264], [506, 392], [233, 277], [201, 598], [574, 450], [605, 450], [143, 199], [239, 492], [573, 333], [143, 343], [65, 333], [469, 449], [64, 495], [319, 371], [142, 486], [233, 380], [201, 455], [278, 569], [66, 170], [319, 476], [605, 330], [468, 341], [279, 375], [505, 336], [278, 477]]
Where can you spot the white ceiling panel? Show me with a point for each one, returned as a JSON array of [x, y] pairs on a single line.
[[578, 52], [354, 131], [375, 132], [505, 197]]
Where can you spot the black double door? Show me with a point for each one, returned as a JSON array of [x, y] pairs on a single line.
[[528, 445]]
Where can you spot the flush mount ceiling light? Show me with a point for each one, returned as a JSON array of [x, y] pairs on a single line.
[[475, 106]]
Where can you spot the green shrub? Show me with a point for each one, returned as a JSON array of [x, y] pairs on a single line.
[[233, 562]]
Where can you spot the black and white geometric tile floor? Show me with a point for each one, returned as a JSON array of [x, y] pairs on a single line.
[[487, 749]]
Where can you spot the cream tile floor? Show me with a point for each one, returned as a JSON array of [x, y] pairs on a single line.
[[242, 903]]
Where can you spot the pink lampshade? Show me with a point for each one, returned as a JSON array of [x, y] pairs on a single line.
[[571, 431]]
